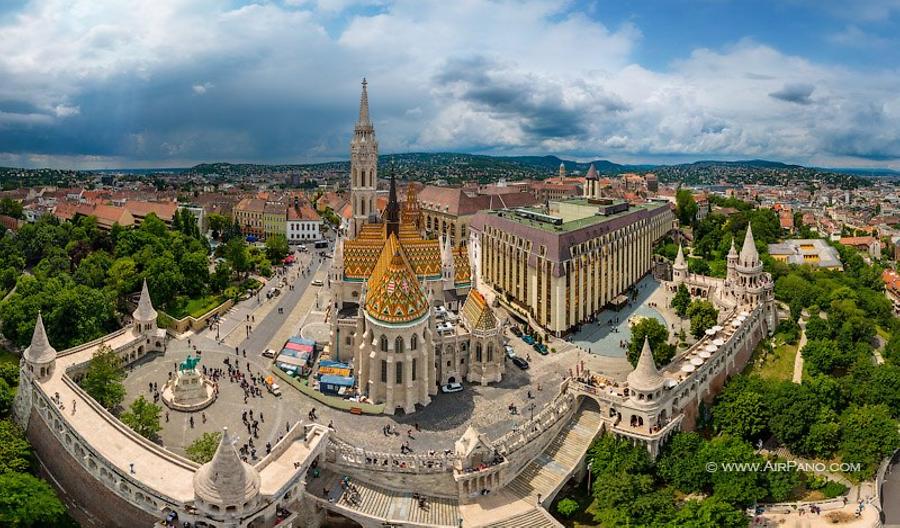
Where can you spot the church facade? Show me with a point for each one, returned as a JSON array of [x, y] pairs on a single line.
[[396, 295]]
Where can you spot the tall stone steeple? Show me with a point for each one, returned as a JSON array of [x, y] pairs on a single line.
[[363, 166], [392, 210], [144, 315]]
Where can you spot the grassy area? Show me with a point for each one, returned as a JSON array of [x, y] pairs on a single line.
[[777, 364], [585, 516], [194, 307]]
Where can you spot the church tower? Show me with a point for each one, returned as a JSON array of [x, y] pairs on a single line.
[[363, 166]]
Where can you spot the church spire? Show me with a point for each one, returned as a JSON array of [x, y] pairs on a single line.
[[392, 211], [364, 106]]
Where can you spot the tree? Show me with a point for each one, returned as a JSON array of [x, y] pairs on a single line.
[[658, 336], [685, 207], [164, 278], [740, 412], [143, 417], [237, 255], [204, 447], [679, 466], [218, 224], [567, 507], [703, 315], [825, 356], [711, 512], [27, 501], [681, 300], [277, 247], [195, 270], [781, 484], [792, 409], [15, 451], [10, 207], [869, 434], [103, 379], [739, 488]]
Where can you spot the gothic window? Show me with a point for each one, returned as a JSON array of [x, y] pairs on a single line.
[[398, 345], [399, 373], [490, 352], [478, 352], [413, 342], [383, 371], [414, 369], [384, 343]]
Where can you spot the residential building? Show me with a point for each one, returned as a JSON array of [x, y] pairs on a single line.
[[303, 222], [139, 209], [249, 215], [867, 244], [274, 219]]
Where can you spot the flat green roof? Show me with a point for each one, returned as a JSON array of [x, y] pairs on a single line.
[[572, 225]]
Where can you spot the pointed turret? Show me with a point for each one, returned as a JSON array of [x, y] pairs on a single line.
[[364, 106], [40, 352], [562, 170], [679, 260], [592, 173], [732, 253], [448, 264], [645, 377], [144, 310], [749, 255], [226, 481]]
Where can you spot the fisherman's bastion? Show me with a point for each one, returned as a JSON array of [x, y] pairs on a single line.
[[385, 285]]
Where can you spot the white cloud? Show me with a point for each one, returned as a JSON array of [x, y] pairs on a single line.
[[532, 76]]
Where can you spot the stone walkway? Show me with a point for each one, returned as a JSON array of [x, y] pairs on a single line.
[[798, 359]]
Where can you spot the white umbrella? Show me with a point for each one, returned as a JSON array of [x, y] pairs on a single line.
[[696, 362], [710, 349], [718, 341], [745, 314], [671, 383], [736, 323], [705, 355], [687, 367], [710, 331], [717, 328]]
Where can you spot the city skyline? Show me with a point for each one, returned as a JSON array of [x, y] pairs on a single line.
[[106, 85]]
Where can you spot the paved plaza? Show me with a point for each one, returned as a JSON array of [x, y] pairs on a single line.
[[605, 336]]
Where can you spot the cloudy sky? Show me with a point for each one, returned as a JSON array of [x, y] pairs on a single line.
[[167, 83]]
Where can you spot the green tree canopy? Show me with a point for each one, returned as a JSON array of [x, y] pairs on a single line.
[[204, 447], [681, 300], [15, 451], [277, 247], [703, 315], [143, 417], [103, 379], [658, 335], [27, 501]]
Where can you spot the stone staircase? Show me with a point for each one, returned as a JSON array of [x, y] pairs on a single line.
[[535, 518], [546, 474], [385, 505]]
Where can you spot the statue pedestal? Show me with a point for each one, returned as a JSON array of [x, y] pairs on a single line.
[[189, 391]]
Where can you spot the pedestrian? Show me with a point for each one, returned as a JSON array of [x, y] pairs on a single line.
[[73, 406], [203, 416], [131, 467], [167, 416], [192, 422]]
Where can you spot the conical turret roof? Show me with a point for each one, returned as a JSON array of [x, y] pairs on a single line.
[[732, 253], [679, 259], [592, 173], [749, 255], [144, 310], [40, 351], [394, 295], [226, 479], [645, 376]]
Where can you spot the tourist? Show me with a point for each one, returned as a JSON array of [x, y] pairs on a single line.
[[192, 422]]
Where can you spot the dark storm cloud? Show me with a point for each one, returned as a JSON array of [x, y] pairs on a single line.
[[795, 93], [538, 107]]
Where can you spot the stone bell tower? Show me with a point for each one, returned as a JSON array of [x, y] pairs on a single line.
[[363, 166]]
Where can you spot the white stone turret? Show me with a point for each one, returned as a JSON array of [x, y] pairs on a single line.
[[731, 263], [644, 381], [448, 265], [679, 268], [337, 264], [144, 315], [226, 487], [562, 171], [749, 258], [39, 358]]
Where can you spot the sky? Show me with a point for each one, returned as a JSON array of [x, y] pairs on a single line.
[[172, 83]]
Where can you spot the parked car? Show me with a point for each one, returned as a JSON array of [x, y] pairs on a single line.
[[316, 282], [510, 352], [528, 339], [269, 353], [519, 362], [272, 386], [540, 348], [515, 331], [451, 387]]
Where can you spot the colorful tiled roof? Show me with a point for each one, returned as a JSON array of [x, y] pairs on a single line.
[[477, 314], [394, 294]]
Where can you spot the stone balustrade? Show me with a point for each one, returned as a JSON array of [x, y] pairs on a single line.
[[343, 453]]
